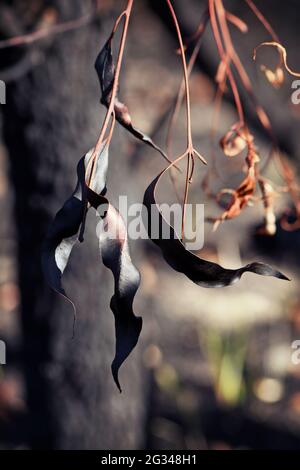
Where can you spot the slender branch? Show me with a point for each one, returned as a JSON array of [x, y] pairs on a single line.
[[261, 114], [110, 110], [110, 113], [186, 75], [180, 95], [29, 38], [189, 149], [224, 57], [263, 20]]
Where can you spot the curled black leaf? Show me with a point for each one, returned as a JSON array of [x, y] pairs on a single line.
[[62, 235], [201, 272], [105, 69], [63, 232], [115, 254]]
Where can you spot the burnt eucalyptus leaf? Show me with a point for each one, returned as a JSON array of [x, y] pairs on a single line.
[[105, 69], [115, 254], [63, 232], [201, 272]]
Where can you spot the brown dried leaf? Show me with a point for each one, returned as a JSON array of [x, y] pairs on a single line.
[[233, 142]]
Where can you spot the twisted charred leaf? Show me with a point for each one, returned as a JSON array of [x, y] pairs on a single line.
[[63, 232], [62, 235], [201, 272], [116, 257], [105, 69]]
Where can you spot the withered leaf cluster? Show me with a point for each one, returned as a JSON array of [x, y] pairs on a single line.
[[89, 194]]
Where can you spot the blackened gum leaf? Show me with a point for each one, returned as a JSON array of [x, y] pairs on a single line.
[[115, 254], [63, 232], [105, 69], [201, 272]]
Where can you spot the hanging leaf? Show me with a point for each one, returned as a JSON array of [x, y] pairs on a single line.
[[116, 257], [233, 142], [201, 272], [63, 232], [243, 195], [239, 198], [105, 69], [62, 235]]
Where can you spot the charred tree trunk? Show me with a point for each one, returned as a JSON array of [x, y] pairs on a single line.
[[51, 119]]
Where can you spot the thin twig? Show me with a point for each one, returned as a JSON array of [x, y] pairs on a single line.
[[29, 38], [226, 60], [180, 95], [110, 110], [189, 152], [262, 19], [110, 113]]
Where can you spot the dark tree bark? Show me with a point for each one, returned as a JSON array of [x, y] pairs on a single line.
[[51, 119]]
